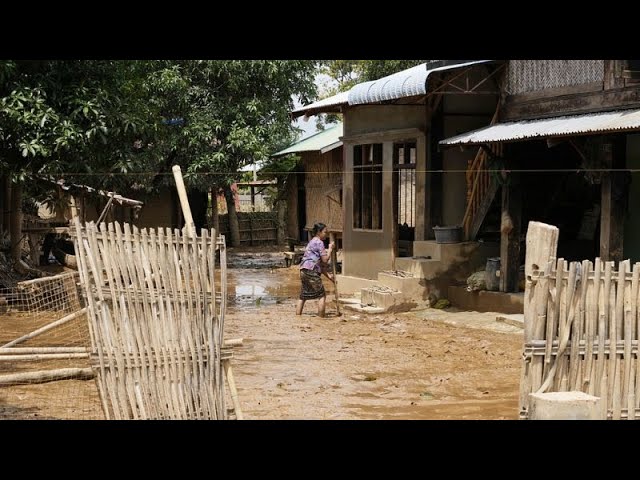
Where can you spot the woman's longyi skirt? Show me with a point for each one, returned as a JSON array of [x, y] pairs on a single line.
[[312, 286]]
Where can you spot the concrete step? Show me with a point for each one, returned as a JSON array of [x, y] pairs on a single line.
[[379, 296], [389, 300], [426, 248], [410, 286], [350, 300], [486, 301], [516, 319], [363, 309], [419, 267]]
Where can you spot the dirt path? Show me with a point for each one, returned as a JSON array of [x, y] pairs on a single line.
[[399, 366]]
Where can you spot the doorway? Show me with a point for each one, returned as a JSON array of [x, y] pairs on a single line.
[[404, 196]]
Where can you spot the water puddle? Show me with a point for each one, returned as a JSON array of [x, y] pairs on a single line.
[[259, 278]]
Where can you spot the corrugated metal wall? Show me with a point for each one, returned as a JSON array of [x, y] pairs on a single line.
[[533, 75]]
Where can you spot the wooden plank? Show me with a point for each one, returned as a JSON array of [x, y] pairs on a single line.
[[547, 93], [510, 234], [572, 104]]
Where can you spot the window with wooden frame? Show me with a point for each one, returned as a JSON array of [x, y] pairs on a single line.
[[631, 70], [367, 186]]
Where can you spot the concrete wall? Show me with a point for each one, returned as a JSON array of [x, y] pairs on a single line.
[[380, 118], [632, 222], [367, 252]]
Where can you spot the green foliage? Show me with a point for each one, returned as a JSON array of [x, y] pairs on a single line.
[[120, 125]]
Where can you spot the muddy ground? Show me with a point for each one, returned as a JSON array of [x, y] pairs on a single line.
[[418, 365]]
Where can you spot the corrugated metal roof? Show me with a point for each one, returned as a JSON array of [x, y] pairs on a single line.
[[322, 141], [619, 120], [325, 105], [407, 83]]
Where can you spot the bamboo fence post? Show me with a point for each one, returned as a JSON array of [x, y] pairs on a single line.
[[232, 389], [184, 201], [617, 329], [630, 309]]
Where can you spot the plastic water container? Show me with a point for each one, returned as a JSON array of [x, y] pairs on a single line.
[[492, 280]]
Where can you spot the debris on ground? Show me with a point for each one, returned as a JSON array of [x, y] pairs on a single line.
[[477, 281], [442, 303]]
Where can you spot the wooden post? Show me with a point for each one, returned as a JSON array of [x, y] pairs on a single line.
[[184, 201], [541, 247], [215, 217], [613, 199], [510, 235], [251, 229], [253, 198]]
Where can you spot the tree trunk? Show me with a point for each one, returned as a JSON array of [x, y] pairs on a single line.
[[3, 201], [234, 227], [282, 211], [16, 224], [215, 218], [6, 203]]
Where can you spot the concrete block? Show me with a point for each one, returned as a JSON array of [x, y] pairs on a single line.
[[363, 309], [516, 319], [350, 285], [409, 286], [565, 406]]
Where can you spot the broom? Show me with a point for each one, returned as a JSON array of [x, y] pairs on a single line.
[[334, 260]]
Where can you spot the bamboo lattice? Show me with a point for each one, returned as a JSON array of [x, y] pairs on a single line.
[[585, 334], [155, 321]]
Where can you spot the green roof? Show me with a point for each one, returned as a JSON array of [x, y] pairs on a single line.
[[324, 141]]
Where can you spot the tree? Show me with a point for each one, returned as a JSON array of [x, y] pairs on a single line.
[[67, 116], [121, 125], [231, 113]]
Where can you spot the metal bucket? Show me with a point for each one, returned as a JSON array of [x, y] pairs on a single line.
[[492, 280]]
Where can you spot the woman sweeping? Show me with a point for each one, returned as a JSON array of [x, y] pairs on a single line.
[[313, 264]]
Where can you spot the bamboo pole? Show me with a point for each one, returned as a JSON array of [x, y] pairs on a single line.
[[334, 260], [28, 350], [46, 328], [184, 201], [232, 389], [41, 356], [23, 378]]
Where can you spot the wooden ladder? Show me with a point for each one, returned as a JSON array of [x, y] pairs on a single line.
[[481, 188]]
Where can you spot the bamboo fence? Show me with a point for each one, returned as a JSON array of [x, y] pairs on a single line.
[[581, 333], [156, 328]]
